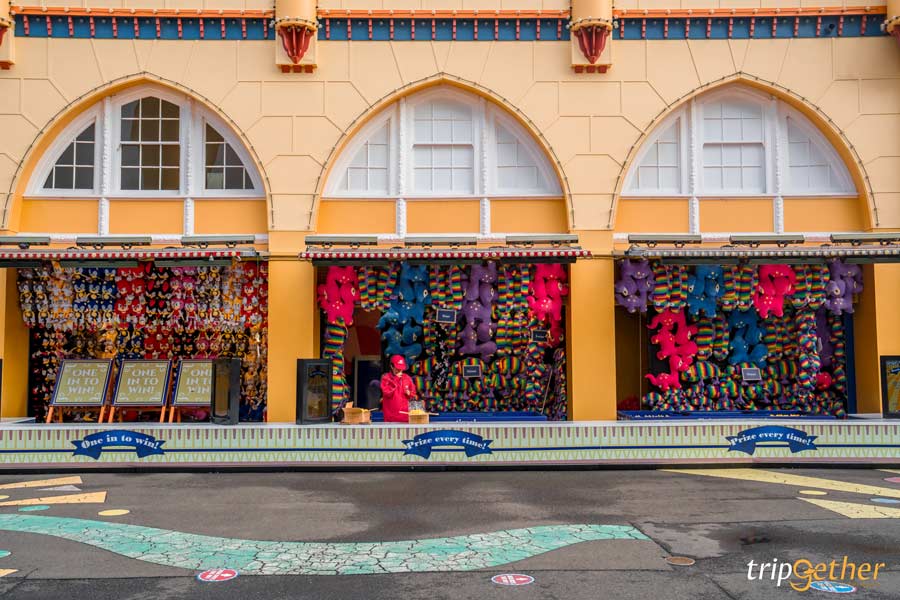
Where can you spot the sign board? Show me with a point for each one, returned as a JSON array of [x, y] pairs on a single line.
[[94, 444], [82, 383], [142, 383], [512, 579], [472, 371], [768, 436], [470, 443], [540, 335], [751, 374], [890, 386], [193, 383], [217, 575], [445, 315]]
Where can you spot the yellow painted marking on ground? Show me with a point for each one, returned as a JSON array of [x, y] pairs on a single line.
[[5, 572], [115, 512], [797, 480], [856, 511], [92, 498], [890, 470], [2, 497], [814, 492], [41, 483]]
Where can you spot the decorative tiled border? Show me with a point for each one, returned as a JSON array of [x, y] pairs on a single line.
[[50, 446], [175, 24]]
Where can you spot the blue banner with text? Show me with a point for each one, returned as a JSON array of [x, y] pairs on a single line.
[[747, 440], [93, 445], [423, 444]]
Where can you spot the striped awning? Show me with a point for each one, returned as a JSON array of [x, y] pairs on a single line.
[[443, 255], [799, 254], [108, 255]]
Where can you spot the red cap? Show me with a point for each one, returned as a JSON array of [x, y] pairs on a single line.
[[398, 362]]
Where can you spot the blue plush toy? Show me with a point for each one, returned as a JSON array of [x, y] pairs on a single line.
[[747, 324], [705, 287], [390, 318], [741, 353]]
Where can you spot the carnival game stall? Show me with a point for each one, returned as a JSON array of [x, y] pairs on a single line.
[[153, 305], [740, 330], [483, 331]]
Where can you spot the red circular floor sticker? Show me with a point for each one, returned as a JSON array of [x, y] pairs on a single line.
[[512, 579], [216, 575]]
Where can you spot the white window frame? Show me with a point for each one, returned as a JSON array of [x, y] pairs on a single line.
[[107, 177], [775, 162], [401, 116], [35, 187]]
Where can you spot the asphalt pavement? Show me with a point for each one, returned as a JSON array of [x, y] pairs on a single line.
[[434, 535]]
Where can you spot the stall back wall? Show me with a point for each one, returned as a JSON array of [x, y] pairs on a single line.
[[147, 312], [711, 327], [467, 331]]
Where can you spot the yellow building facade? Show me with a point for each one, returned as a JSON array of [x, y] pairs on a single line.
[[420, 119]]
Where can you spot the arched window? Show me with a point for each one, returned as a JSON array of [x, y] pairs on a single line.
[[442, 143], [737, 142], [146, 142]]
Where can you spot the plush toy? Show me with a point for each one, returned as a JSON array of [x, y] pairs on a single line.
[[664, 381], [775, 283], [845, 281], [742, 353], [704, 288], [634, 285], [546, 292], [338, 295], [746, 322], [477, 327]]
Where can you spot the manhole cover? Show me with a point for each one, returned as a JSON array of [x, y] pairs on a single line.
[[680, 561]]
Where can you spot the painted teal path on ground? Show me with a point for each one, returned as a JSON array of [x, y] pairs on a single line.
[[251, 557]]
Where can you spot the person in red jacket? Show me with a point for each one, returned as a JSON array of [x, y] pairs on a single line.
[[397, 389]]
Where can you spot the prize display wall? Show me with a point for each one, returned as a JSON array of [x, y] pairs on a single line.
[[479, 337], [743, 337], [146, 312]]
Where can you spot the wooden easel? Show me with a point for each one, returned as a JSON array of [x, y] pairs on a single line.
[[62, 409], [161, 409]]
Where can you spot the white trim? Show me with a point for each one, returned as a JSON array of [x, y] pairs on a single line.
[[400, 216], [485, 216], [188, 226], [107, 151], [103, 216]]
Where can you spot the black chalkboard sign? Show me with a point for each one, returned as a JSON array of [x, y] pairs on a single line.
[[751, 374], [472, 371], [445, 315], [540, 335]]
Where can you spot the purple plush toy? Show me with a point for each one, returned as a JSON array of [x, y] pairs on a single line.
[[634, 285], [475, 335], [844, 282]]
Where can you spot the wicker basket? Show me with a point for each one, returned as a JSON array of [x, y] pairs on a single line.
[[356, 416]]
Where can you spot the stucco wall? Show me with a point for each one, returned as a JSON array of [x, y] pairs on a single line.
[[590, 122]]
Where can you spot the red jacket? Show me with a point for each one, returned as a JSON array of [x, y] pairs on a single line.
[[396, 392]]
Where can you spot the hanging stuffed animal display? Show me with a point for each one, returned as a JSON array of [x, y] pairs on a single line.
[[148, 312], [785, 320], [478, 329], [634, 285]]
